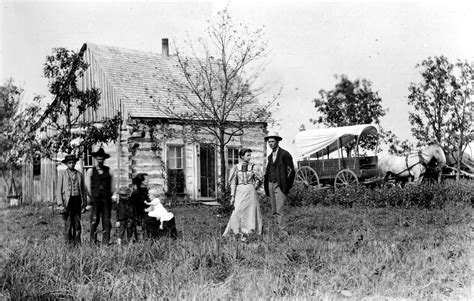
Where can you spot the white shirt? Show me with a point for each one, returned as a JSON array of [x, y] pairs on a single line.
[[274, 154]]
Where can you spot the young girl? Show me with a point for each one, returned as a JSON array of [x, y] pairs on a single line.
[[158, 212], [244, 181]]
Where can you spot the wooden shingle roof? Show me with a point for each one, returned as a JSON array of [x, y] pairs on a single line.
[[141, 79], [137, 77]]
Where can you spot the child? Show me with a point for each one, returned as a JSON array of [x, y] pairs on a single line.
[[158, 212], [127, 216]]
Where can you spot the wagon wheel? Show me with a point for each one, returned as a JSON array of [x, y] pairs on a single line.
[[345, 178], [307, 176]]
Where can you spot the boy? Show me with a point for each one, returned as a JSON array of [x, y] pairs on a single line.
[[127, 216]]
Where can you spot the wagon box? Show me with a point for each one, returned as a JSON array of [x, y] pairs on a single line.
[[313, 146]]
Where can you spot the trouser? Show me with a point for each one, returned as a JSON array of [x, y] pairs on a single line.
[[101, 208], [153, 228], [129, 227], [277, 200], [72, 220]]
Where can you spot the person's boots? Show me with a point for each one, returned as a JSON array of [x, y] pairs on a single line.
[[77, 240]]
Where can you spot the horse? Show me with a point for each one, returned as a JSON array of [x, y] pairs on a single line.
[[413, 166]]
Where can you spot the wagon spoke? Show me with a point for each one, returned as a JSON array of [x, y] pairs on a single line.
[[344, 178], [307, 176]]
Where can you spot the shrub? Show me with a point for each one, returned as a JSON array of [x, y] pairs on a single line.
[[429, 196], [302, 195]]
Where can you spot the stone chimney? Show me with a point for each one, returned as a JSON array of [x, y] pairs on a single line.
[[165, 50]]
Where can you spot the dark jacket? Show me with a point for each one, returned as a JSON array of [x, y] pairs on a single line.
[[101, 184], [126, 209], [139, 197], [285, 171]]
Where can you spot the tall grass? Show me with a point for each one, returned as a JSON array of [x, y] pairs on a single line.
[[332, 252]]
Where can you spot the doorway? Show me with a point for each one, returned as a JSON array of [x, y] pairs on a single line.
[[207, 160]]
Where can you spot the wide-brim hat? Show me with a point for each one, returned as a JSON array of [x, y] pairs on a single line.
[[125, 190], [273, 134], [100, 153], [69, 158]]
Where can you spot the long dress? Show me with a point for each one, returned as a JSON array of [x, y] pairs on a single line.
[[246, 217]]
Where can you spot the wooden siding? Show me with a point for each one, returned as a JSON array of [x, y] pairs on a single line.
[[47, 181], [39, 188], [95, 77], [27, 182]]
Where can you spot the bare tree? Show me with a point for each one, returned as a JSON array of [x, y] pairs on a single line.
[[216, 92]]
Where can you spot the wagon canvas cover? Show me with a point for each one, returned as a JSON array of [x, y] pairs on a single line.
[[325, 141]]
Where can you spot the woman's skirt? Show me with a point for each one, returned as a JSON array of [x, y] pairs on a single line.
[[246, 217]]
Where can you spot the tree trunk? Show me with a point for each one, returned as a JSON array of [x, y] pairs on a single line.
[[458, 163], [221, 183]]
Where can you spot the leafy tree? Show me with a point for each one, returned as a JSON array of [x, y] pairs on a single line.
[[14, 126], [64, 115], [396, 146], [350, 103], [217, 92], [10, 100], [443, 105]]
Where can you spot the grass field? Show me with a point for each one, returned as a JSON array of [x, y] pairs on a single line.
[[332, 253]]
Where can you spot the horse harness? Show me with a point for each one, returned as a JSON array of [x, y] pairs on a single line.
[[420, 161]]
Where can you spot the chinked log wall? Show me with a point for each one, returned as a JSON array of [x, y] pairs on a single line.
[[149, 156]]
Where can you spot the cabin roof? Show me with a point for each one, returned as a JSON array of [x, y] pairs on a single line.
[[141, 79]]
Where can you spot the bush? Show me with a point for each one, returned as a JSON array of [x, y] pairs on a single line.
[[424, 196], [302, 195]]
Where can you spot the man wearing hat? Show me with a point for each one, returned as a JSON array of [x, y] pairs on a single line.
[[279, 177], [71, 195], [100, 186]]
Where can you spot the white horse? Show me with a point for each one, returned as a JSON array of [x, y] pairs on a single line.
[[412, 166]]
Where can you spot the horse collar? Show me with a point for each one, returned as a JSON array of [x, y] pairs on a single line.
[[422, 160]]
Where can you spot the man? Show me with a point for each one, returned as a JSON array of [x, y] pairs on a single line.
[[279, 177], [71, 195], [100, 187]]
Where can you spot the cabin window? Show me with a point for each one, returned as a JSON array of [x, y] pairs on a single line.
[[37, 165], [175, 160], [87, 158], [232, 159]]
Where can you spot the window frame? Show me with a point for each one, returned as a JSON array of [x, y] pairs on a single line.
[[168, 156], [235, 157], [173, 155], [236, 160], [86, 157]]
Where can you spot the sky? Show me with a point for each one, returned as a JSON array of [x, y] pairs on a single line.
[[309, 43]]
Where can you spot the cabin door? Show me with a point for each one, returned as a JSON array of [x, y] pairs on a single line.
[[207, 171]]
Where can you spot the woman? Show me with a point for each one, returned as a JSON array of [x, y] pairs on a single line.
[[244, 180], [139, 197]]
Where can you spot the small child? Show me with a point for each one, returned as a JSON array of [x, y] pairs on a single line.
[[158, 211], [127, 217]]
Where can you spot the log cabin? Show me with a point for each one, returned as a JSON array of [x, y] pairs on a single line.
[[131, 82]]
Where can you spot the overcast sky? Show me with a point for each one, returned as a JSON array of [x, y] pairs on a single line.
[[310, 42]]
